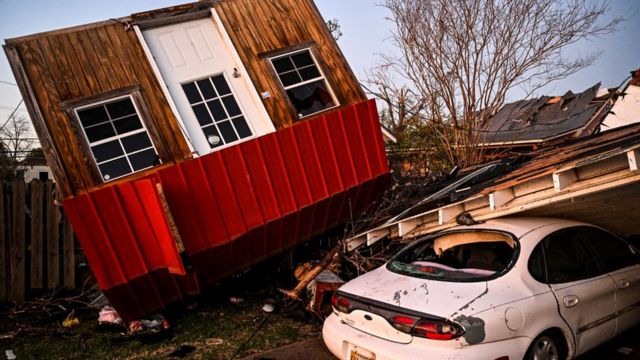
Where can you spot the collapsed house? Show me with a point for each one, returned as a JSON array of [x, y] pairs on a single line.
[[190, 142], [574, 156]]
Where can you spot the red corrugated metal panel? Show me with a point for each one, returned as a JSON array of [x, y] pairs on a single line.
[[233, 207]]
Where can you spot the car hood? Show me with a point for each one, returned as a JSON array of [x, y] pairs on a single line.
[[440, 298]]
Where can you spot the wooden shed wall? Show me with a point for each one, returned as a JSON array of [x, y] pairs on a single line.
[[259, 28], [76, 63]]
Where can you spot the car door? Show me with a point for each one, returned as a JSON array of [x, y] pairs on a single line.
[[621, 262], [585, 293]]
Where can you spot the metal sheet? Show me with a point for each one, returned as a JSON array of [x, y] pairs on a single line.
[[232, 208]]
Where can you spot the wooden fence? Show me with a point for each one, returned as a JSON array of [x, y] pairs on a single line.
[[37, 245]]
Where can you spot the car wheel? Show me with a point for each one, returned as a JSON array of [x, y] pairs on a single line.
[[544, 347]]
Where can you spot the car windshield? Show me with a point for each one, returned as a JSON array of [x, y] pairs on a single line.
[[464, 256]]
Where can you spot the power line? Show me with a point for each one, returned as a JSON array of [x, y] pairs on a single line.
[[8, 83], [10, 116]]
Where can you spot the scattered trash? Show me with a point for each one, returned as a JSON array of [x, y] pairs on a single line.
[[236, 300], [135, 326], [214, 342], [10, 355], [109, 315], [100, 301], [155, 323], [268, 308], [325, 282], [625, 350], [71, 320], [183, 351]]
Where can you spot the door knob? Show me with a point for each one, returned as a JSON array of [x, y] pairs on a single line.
[[570, 301], [623, 284]]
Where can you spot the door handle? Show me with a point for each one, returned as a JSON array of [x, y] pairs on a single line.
[[570, 301], [623, 284]]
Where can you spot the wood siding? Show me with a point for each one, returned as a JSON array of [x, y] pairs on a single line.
[[58, 68], [258, 28], [88, 61]]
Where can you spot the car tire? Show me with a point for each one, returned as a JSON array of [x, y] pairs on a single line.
[[547, 346]]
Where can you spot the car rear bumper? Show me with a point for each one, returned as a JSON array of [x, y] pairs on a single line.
[[340, 339]]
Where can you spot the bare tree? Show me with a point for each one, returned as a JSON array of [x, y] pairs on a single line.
[[458, 59], [17, 141]]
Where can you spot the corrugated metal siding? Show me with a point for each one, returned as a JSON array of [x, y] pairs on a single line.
[[236, 206]]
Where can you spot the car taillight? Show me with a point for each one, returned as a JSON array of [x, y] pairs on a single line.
[[430, 329], [403, 323], [340, 303], [436, 330]]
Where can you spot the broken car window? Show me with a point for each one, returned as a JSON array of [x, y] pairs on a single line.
[[462, 256]]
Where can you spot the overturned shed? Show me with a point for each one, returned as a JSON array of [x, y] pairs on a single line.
[[193, 141]]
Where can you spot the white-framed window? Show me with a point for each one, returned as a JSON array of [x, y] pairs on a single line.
[[304, 82], [117, 137], [217, 110]]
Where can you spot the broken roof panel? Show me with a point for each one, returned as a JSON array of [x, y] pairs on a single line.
[[538, 120]]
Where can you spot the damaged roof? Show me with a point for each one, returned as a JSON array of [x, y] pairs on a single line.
[[544, 118], [542, 178]]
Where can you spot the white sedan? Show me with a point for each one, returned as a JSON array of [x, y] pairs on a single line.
[[513, 288]]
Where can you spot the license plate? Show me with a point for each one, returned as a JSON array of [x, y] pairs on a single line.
[[358, 353]]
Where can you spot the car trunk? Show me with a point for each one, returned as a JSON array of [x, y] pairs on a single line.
[[382, 294]]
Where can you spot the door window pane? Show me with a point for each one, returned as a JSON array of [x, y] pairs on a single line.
[[118, 140], [567, 259], [217, 111], [614, 253]]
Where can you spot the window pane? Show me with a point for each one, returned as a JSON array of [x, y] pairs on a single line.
[[232, 106], [290, 78], [241, 127], [207, 89], [310, 72], [107, 151], [121, 108], [227, 132], [613, 252], [100, 132], [302, 59], [567, 259], [93, 116], [283, 64], [217, 110], [536, 264], [310, 98], [113, 169], [221, 85], [143, 159], [192, 93], [202, 114], [128, 124], [213, 138], [136, 142]]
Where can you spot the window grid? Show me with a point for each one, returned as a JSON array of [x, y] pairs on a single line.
[[220, 94], [117, 135], [302, 83]]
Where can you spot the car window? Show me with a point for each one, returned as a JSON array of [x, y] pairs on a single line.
[[613, 252], [566, 258], [463, 256], [536, 264]]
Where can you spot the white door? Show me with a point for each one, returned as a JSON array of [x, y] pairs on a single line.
[[218, 105]]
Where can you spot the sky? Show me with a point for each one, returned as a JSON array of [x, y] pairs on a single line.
[[366, 32]]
